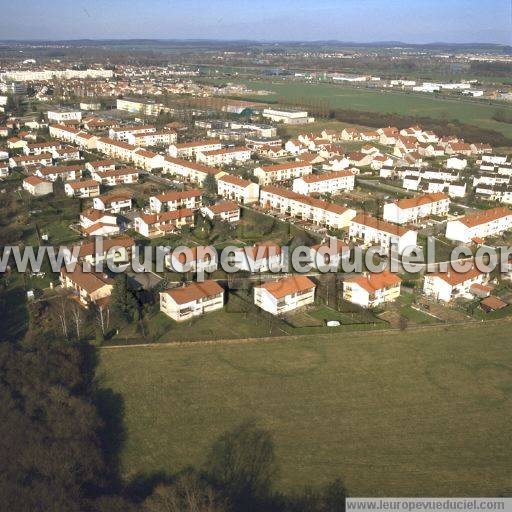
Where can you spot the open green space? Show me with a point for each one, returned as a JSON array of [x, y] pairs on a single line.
[[423, 413], [351, 98]]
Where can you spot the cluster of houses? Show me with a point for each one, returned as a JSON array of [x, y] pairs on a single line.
[[296, 191]]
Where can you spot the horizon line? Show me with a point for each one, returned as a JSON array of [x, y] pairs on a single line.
[[258, 41]]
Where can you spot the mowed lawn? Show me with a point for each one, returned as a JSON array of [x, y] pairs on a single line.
[[412, 413], [352, 98]]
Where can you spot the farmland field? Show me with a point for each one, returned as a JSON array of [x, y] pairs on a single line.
[[351, 98], [425, 413]]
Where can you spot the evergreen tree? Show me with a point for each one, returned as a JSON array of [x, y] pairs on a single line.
[[122, 299]]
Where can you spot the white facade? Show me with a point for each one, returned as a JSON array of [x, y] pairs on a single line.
[[328, 183], [174, 200], [285, 295], [306, 208], [479, 225], [287, 116], [452, 285], [417, 208], [374, 231], [269, 174], [372, 290], [194, 299], [190, 149], [237, 189], [226, 156]]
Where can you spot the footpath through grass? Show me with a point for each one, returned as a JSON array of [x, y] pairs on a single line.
[[425, 412]]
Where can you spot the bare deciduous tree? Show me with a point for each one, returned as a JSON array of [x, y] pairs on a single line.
[[77, 315], [103, 318]]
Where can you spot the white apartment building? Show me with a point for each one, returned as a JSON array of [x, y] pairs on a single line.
[[326, 183], [66, 153], [287, 116], [142, 107], [65, 133], [191, 300], [448, 286], [118, 250], [23, 161], [491, 180], [480, 225], [82, 189], [153, 225], [115, 149], [114, 203], [37, 148], [31, 75], [189, 149], [227, 211], [456, 163], [260, 257], [147, 160], [285, 295], [99, 166], [93, 220], [203, 258], [37, 186], [237, 189], [268, 174], [61, 115], [374, 231], [122, 176], [372, 289], [306, 208], [64, 172], [162, 138], [176, 199], [86, 140], [194, 259], [329, 253], [191, 172], [123, 133], [415, 209], [225, 156]]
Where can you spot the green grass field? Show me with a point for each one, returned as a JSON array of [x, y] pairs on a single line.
[[393, 413], [384, 102]]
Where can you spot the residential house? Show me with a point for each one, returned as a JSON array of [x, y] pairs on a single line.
[[285, 295], [37, 186], [175, 199], [189, 149], [191, 300], [82, 189], [451, 285], [237, 189], [63, 172], [480, 225], [372, 289], [373, 231], [116, 202], [153, 225], [268, 174], [88, 287], [415, 209], [225, 156], [227, 211], [98, 223], [326, 183], [306, 208], [260, 257]]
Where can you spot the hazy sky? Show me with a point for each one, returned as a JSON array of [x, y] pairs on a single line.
[[413, 21]]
